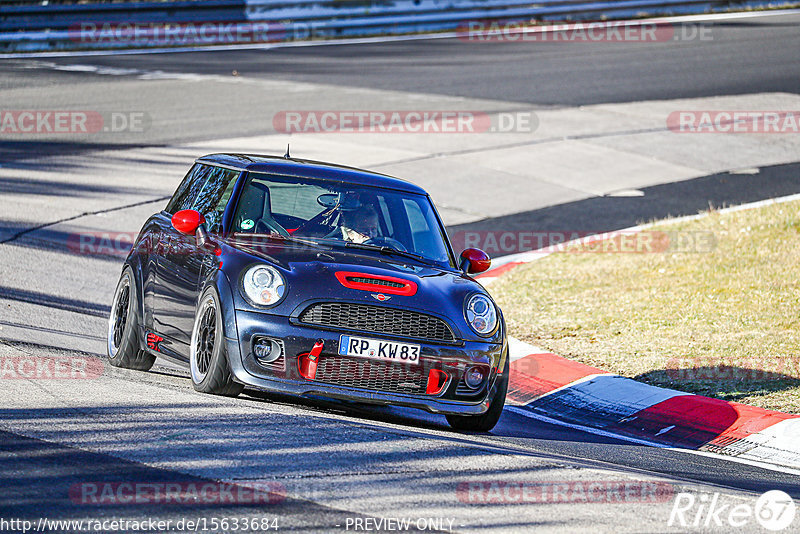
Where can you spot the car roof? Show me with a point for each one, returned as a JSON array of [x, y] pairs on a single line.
[[309, 169]]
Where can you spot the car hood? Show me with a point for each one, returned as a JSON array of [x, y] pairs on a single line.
[[310, 274]]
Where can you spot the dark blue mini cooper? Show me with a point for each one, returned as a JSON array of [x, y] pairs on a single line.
[[312, 279]]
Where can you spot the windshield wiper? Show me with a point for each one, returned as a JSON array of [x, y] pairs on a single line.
[[388, 251], [279, 237]]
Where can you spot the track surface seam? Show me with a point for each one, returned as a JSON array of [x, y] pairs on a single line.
[[72, 218]]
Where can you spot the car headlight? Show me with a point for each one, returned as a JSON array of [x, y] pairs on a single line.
[[481, 314], [263, 285]]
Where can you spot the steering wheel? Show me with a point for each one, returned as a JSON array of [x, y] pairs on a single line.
[[270, 227], [317, 226], [388, 241]]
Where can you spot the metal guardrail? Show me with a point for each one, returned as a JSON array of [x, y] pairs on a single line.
[[28, 25], [27, 17]]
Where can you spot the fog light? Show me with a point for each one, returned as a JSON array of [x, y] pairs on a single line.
[[266, 350], [474, 377]]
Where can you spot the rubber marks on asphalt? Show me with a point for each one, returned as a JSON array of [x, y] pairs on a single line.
[[576, 394]]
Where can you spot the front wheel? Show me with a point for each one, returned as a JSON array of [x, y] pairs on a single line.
[[208, 360], [486, 421], [124, 349]]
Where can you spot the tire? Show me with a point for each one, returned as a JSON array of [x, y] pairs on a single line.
[[486, 421], [208, 359], [124, 347]]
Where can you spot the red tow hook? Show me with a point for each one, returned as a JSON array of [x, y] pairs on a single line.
[[436, 382], [307, 362]]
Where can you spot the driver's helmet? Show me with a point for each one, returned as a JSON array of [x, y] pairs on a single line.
[[360, 225]]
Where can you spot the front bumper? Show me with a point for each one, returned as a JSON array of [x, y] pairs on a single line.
[[298, 339]]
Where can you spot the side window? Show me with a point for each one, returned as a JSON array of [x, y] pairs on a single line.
[[415, 217], [421, 234], [187, 192], [214, 196], [386, 215]]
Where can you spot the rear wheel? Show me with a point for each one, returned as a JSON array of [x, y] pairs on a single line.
[[208, 360], [484, 422], [124, 349]]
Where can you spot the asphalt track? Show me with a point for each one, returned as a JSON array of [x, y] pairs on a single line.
[[337, 461], [743, 56], [728, 57]]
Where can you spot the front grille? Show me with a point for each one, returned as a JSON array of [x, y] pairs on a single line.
[[373, 374], [379, 320], [375, 282]]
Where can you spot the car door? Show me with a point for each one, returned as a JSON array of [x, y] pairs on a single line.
[[181, 261]]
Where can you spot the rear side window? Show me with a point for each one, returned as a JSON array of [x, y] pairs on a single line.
[[423, 236], [187, 192], [214, 196], [206, 189]]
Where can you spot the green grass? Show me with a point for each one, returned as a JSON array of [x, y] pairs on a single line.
[[724, 322]]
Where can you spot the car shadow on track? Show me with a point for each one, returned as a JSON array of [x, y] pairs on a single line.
[[511, 425], [64, 483], [383, 414]]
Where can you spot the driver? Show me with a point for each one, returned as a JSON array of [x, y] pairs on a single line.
[[360, 225]]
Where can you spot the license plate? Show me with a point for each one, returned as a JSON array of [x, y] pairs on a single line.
[[379, 350]]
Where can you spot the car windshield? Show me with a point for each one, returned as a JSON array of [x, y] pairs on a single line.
[[338, 213]]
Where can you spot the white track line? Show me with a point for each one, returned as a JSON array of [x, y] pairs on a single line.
[[388, 38], [605, 434], [520, 344], [731, 209], [533, 255]]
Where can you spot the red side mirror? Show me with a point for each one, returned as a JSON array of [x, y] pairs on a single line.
[[187, 221], [475, 261]]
